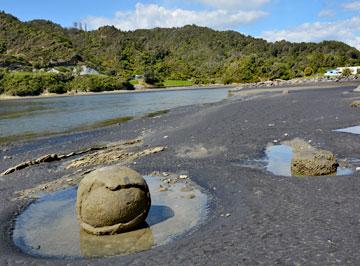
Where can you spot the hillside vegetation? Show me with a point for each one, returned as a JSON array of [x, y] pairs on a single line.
[[196, 54]]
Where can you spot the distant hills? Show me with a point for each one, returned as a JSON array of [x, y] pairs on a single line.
[[191, 52]]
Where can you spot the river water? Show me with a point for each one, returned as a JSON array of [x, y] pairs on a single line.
[[26, 118]]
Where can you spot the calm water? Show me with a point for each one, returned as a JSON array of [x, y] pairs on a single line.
[[353, 130], [36, 117]]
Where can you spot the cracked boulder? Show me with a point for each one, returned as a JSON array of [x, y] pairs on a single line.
[[112, 200], [313, 162]]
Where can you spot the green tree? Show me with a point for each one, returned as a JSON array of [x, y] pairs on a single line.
[[308, 71], [346, 72], [152, 77]]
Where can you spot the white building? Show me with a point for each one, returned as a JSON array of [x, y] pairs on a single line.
[[332, 73], [338, 71]]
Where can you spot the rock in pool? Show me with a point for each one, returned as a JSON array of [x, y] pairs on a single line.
[[112, 200], [313, 162]]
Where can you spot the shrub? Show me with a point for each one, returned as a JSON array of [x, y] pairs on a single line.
[[23, 84], [152, 77], [2, 47], [308, 71], [346, 72], [97, 83], [358, 71], [31, 84]]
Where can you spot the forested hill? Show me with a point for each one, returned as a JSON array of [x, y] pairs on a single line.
[[190, 52]]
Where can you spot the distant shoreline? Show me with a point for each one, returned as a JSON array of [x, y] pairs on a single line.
[[71, 94]]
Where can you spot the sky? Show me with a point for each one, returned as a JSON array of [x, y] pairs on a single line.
[[273, 20]]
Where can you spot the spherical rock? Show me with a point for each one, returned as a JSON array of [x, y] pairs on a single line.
[[112, 200]]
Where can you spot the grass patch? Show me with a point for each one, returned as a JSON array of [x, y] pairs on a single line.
[[134, 82], [112, 121], [25, 136], [27, 112], [157, 113], [28, 136], [177, 83]]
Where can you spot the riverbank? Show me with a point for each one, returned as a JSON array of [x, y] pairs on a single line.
[[309, 82], [255, 217], [72, 94]]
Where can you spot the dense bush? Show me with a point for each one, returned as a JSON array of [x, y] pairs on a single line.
[[30, 84], [152, 77], [346, 72], [308, 71], [358, 71], [186, 53], [97, 83]]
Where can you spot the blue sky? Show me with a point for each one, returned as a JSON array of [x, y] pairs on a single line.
[[301, 20]]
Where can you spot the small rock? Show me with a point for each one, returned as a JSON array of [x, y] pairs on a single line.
[[165, 174], [69, 180], [286, 135], [357, 169], [355, 104], [167, 181], [163, 189], [275, 141], [271, 125], [227, 215], [186, 189], [190, 196], [165, 137], [7, 157], [183, 176]]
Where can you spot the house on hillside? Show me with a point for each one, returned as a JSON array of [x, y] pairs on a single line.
[[354, 70], [332, 73], [338, 71]]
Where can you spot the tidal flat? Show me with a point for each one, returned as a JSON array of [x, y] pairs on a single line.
[[254, 216]]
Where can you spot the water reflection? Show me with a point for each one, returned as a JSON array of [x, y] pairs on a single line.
[[121, 244], [35, 117]]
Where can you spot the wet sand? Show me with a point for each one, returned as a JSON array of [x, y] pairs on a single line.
[[255, 217]]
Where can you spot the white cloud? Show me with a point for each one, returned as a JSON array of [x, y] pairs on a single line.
[[354, 5], [235, 4], [326, 13], [152, 15], [341, 30]]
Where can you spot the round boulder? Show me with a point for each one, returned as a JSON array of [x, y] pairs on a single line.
[[112, 200]]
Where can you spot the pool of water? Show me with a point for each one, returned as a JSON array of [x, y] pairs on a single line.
[[28, 118], [48, 227], [353, 130], [279, 161]]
